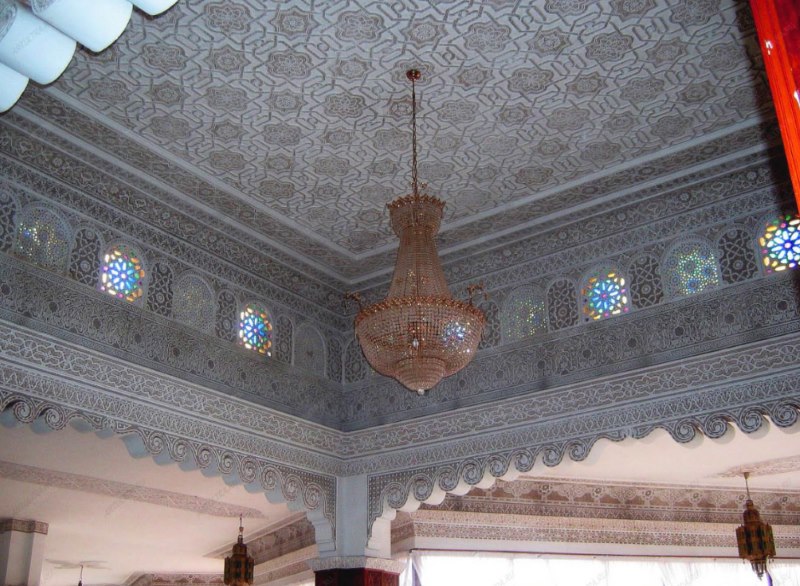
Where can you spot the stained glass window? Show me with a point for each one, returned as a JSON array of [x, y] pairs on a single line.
[[255, 330], [690, 268], [605, 294], [780, 244], [524, 314], [43, 238], [122, 274]]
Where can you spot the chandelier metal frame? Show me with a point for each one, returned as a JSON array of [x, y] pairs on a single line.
[[419, 334]]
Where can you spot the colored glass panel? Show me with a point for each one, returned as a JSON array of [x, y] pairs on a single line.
[[780, 244], [693, 270], [255, 330], [605, 295], [526, 315], [122, 274]]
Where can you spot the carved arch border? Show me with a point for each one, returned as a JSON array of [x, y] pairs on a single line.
[[300, 490], [776, 400]]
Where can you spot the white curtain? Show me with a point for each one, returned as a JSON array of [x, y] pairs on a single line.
[[490, 569]]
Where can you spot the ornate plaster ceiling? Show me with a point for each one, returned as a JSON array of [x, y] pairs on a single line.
[[290, 120]]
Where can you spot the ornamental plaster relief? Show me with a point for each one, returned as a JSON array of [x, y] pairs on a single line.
[[655, 335], [97, 320], [751, 187], [278, 92], [300, 489], [538, 530], [123, 490], [134, 213], [615, 500]]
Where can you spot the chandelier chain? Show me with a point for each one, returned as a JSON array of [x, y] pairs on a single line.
[[414, 176]]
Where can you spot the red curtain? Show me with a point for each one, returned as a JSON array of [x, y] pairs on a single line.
[[778, 26]]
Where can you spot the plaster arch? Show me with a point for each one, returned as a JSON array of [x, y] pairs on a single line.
[[407, 490], [281, 484]]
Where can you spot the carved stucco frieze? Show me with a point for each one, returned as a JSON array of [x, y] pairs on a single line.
[[498, 527], [135, 214], [124, 490], [299, 488], [99, 321], [656, 335]]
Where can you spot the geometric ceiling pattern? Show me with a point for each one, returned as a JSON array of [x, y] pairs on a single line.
[[295, 115]]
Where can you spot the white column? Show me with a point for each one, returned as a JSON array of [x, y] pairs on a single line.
[[153, 7], [95, 24], [32, 47], [21, 552], [12, 84]]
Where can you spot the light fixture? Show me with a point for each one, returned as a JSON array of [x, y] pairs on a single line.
[[419, 334], [239, 566], [754, 538]]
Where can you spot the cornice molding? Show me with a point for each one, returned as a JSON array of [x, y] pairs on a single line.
[[124, 491], [522, 528], [23, 526]]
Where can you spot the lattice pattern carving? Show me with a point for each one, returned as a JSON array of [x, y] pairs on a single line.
[[8, 212], [193, 302], [355, 365], [226, 321], [309, 350], [284, 334], [562, 304], [645, 289], [491, 331], [84, 260], [737, 257], [334, 359], [159, 291]]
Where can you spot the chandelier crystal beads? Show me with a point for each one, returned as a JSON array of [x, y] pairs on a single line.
[[419, 334]]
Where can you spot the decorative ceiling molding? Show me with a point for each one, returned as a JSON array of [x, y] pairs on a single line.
[[175, 580], [292, 533], [614, 500], [532, 531], [497, 135], [23, 526], [124, 491], [78, 186], [765, 468]]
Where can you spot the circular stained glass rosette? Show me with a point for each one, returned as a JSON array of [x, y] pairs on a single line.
[[606, 297], [780, 244], [122, 275], [255, 330]]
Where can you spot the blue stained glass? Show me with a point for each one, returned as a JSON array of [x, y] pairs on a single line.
[[122, 274], [605, 295], [255, 330]]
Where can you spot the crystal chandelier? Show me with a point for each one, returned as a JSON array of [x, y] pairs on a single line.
[[419, 334], [754, 538], [239, 566]]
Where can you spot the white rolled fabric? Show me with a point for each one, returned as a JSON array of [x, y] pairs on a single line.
[[12, 84], [153, 7], [30, 46], [95, 24]]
